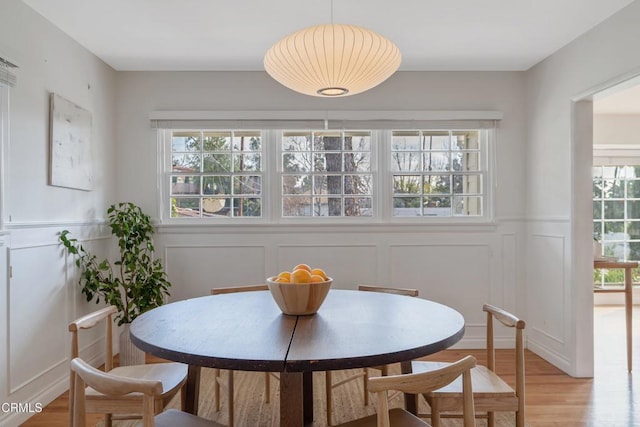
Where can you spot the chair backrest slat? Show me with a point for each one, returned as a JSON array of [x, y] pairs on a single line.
[[111, 385], [92, 319], [397, 291], [425, 382], [234, 289], [422, 382]]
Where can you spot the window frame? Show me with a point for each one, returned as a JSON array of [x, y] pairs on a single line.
[[607, 156], [165, 172], [277, 195], [484, 171], [382, 183]]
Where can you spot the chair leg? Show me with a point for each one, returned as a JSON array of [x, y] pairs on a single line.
[[520, 418], [107, 420], [267, 387], [183, 398], [435, 413], [491, 419], [327, 387], [230, 397], [216, 388], [365, 379]]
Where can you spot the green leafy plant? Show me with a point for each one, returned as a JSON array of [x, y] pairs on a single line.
[[136, 282]]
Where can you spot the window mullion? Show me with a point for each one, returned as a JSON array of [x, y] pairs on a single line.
[[379, 194], [273, 174]]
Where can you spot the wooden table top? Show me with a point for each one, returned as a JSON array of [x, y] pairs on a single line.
[[247, 331], [598, 263], [241, 331], [359, 329]]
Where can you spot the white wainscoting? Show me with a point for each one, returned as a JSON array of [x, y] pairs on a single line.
[[464, 269], [549, 290], [548, 276], [42, 297], [194, 270], [36, 301]]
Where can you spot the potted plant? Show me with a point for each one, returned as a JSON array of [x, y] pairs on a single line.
[[135, 283]]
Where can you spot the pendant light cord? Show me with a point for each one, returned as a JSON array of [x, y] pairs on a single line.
[[331, 12]]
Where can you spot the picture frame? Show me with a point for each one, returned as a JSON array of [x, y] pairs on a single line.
[[70, 153]]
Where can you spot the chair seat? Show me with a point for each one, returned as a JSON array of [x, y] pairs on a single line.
[[485, 382], [172, 375], [397, 418], [174, 418]]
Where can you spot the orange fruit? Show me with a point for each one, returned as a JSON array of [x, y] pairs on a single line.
[[281, 280], [315, 278], [284, 275], [300, 276], [319, 272], [302, 267]]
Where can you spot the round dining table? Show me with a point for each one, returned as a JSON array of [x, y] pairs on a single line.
[[247, 331]]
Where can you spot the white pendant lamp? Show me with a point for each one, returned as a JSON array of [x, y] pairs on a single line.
[[332, 60]]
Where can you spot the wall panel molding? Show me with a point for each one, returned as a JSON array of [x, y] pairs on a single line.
[[36, 376], [548, 275], [509, 271]]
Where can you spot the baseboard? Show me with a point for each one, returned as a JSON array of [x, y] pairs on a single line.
[[550, 356], [45, 397], [481, 343]]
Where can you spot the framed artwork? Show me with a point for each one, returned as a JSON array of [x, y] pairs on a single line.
[[70, 158]]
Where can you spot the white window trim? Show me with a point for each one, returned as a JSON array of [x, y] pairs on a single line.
[[164, 172], [487, 151], [273, 122], [615, 154], [276, 195], [317, 119]]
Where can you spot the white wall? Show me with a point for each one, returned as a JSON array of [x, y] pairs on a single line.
[[460, 266], [559, 257], [139, 93], [464, 267], [42, 295], [616, 129]]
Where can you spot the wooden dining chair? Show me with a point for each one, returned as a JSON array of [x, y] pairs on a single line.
[[172, 375], [416, 383], [142, 394], [490, 392], [364, 373], [228, 385]]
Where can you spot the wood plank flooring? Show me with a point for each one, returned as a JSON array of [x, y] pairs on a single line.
[[553, 399]]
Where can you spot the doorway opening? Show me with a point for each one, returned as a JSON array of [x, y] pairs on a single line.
[[616, 216]]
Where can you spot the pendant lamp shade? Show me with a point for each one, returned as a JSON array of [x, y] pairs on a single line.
[[332, 60]]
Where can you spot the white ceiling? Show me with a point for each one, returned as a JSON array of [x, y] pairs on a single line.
[[234, 35]]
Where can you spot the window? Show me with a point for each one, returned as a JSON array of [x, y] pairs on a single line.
[[616, 217], [291, 175], [326, 174], [216, 174], [436, 173]]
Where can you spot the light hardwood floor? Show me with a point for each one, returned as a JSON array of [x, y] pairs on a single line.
[[554, 399]]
